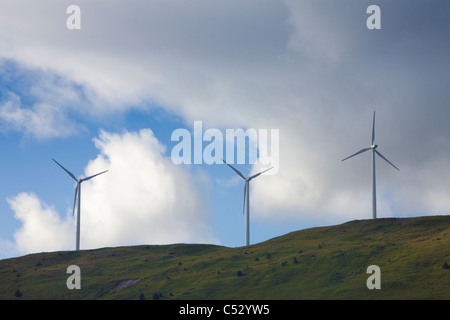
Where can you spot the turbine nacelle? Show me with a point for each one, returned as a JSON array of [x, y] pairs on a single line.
[[374, 146]]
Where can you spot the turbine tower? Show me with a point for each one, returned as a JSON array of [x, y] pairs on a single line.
[[246, 199], [373, 147], [77, 199]]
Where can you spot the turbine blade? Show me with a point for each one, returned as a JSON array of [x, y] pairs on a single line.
[[235, 170], [88, 178], [245, 197], [254, 176], [386, 160], [360, 151], [373, 128], [68, 172], [75, 199]]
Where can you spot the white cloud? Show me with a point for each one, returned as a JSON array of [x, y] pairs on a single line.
[[143, 199], [42, 120], [42, 229]]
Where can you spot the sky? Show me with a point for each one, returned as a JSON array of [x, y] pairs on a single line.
[[110, 95]]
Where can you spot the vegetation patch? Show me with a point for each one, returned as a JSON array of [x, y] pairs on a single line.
[[317, 263]]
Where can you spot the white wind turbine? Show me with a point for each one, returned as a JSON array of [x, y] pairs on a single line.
[[77, 199], [373, 147], [247, 199]]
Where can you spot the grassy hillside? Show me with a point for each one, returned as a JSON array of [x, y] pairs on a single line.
[[318, 263]]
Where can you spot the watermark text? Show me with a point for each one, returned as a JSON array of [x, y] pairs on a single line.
[[211, 146]]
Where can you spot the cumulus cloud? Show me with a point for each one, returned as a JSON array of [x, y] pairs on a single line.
[[42, 228], [143, 199]]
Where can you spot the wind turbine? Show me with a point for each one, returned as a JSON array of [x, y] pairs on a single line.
[[246, 199], [373, 147], [77, 199]]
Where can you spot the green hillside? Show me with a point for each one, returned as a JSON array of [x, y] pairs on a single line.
[[318, 263]]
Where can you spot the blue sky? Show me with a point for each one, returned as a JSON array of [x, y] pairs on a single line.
[[110, 95]]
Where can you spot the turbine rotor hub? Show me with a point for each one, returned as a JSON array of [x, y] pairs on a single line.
[[374, 146]]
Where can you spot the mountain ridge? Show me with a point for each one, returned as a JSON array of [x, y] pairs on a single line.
[[328, 262]]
